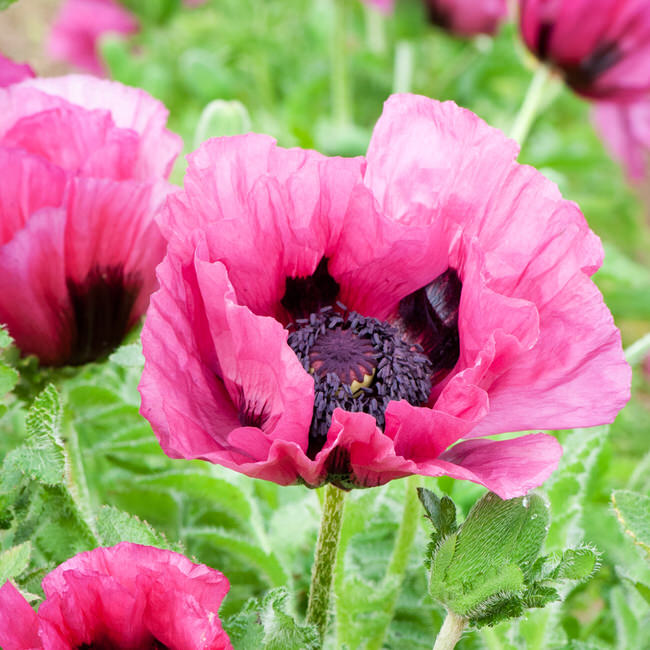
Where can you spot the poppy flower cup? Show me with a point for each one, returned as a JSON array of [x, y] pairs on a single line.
[[467, 17], [83, 163], [127, 597], [602, 47], [359, 320], [12, 72]]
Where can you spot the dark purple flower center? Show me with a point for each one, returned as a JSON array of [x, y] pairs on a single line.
[[359, 364], [101, 313], [583, 74]]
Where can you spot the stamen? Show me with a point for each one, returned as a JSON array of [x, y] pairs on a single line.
[[359, 364]]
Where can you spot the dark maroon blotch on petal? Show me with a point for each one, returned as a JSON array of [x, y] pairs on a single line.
[[304, 296], [252, 414], [430, 315], [101, 312], [154, 644], [544, 40], [583, 75]]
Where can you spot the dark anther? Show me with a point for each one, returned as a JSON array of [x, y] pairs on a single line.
[[430, 316], [437, 15], [101, 311], [303, 296], [544, 40], [583, 75]]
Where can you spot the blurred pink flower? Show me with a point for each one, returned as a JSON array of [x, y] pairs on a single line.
[[81, 23], [468, 17], [83, 162], [126, 596], [11, 72], [625, 128], [351, 320], [602, 47]]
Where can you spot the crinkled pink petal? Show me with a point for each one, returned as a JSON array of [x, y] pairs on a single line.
[[510, 468], [268, 213], [129, 595], [18, 621], [29, 184], [110, 225], [12, 72], [538, 254], [82, 142], [469, 17], [33, 295], [239, 387], [79, 26], [130, 108], [625, 129]]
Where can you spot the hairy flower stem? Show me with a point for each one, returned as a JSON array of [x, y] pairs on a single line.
[[341, 102], [530, 107], [323, 570], [450, 632], [400, 556]]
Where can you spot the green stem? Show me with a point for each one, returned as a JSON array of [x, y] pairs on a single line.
[[451, 631], [375, 30], [638, 351], [325, 559], [399, 559], [403, 70], [340, 86], [530, 107], [76, 475]]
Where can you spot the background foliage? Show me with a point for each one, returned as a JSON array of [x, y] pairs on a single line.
[[81, 468]]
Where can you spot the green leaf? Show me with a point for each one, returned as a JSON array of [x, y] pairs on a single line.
[[577, 564], [8, 378], [267, 563], [42, 457], [441, 512], [128, 356], [268, 626], [633, 512], [195, 485], [5, 337], [6, 3], [115, 526], [14, 561]]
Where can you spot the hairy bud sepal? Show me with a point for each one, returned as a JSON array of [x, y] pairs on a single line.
[[490, 568]]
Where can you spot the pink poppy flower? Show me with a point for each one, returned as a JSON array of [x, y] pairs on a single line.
[[124, 597], [78, 244], [11, 72], [80, 25], [359, 320], [625, 129], [602, 47], [467, 17]]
